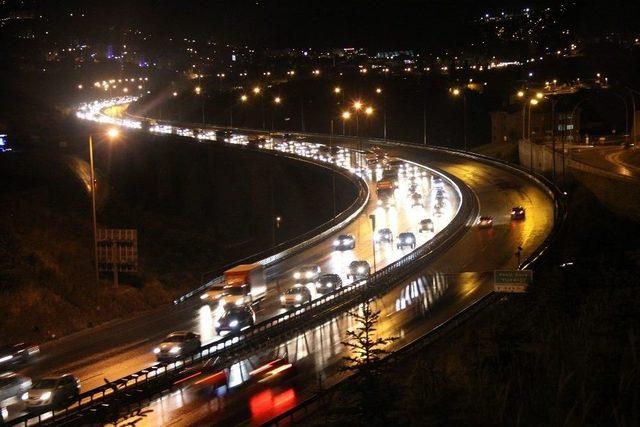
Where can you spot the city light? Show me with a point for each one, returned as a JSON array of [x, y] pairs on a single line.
[[378, 90], [346, 115], [337, 90], [357, 105], [175, 94], [368, 111], [520, 94], [539, 95], [456, 92], [197, 90], [534, 101], [113, 133], [277, 100], [244, 98], [256, 90]]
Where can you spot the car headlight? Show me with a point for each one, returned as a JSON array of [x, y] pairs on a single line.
[[156, 350], [233, 323], [175, 350], [282, 298], [297, 274], [25, 396], [308, 274], [6, 358], [45, 396], [298, 297], [204, 296], [336, 243], [360, 269], [240, 301]]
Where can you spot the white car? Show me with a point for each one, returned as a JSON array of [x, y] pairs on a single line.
[[53, 392], [307, 274], [177, 344]]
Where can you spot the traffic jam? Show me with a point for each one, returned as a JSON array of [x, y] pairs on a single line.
[[410, 204]]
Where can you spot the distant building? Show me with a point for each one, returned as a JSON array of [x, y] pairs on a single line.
[[507, 126]]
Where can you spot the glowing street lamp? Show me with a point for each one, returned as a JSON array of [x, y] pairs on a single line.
[[346, 115], [520, 94], [197, 90], [368, 111], [244, 98], [357, 105], [256, 90], [539, 95], [458, 92], [378, 90], [277, 100], [337, 90], [111, 134], [175, 94]]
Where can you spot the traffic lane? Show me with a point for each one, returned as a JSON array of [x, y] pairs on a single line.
[[610, 159], [407, 312], [113, 353]]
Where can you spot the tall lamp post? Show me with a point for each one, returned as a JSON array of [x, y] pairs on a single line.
[[198, 91], [112, 134], [533, 102], [258, 91], [346, 115], [463, 93], [276, 102], [384, 112]]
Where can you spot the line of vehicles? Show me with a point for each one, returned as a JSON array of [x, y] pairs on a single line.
[[19, 392]]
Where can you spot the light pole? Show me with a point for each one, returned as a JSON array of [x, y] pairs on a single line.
[[276, 101], [463, 92], [384, 112], [276, 226], [357, 106], [111, 134], [532, 103], [198, 91], [520, 95], [346, 115], [333, 170], [258, 91], [372, 217]]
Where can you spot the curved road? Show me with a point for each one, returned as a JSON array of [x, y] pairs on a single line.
[[460, 276]]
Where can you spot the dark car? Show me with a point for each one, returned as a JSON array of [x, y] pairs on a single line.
[[327, 283], [344, 242], [296, 295], [177, 344], [485, 222], [17, 354], [406, 239], [416, 200], [426, 225], [359, 270], [53, 392], [384, 235], [517, 212], [236, 319]]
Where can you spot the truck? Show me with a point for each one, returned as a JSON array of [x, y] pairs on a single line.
[[385, 189], [244, 284]]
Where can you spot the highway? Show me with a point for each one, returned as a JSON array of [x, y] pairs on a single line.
[[615, 159], [117, 349], [456, 279], [453, 281]]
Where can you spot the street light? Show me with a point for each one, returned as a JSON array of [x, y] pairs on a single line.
[[112, 133], [256, 90], [458, 92], [520, 94], [244, 98], [337, 90], [384, 113], [277, 100], [346, 115], [532, 103]]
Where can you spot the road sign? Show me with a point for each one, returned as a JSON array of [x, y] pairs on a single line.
[[512, 281], [117, 250]]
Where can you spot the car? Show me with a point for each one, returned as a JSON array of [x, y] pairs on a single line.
[[53, 392], [17, 354], [296, 295], [327, 283], [236, 319], [384, 235], [517, 212], [307, 273], [406, 239], [485, 222], [416, 200], [344, 242], [13, 389], [177, 344], [359, 269], [426, 225]]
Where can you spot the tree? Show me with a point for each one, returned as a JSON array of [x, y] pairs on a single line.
[[365, 360]]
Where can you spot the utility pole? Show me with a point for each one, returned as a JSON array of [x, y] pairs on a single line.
[[333, 170], [424, 124], [302, 114], [93, 208]]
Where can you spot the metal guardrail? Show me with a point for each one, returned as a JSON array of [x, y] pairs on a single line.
[[299, 243], [283, 325]]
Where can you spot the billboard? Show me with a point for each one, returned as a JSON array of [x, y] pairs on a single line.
[[117, 249]]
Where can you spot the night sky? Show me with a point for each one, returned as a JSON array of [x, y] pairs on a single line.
[[321, 23]]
